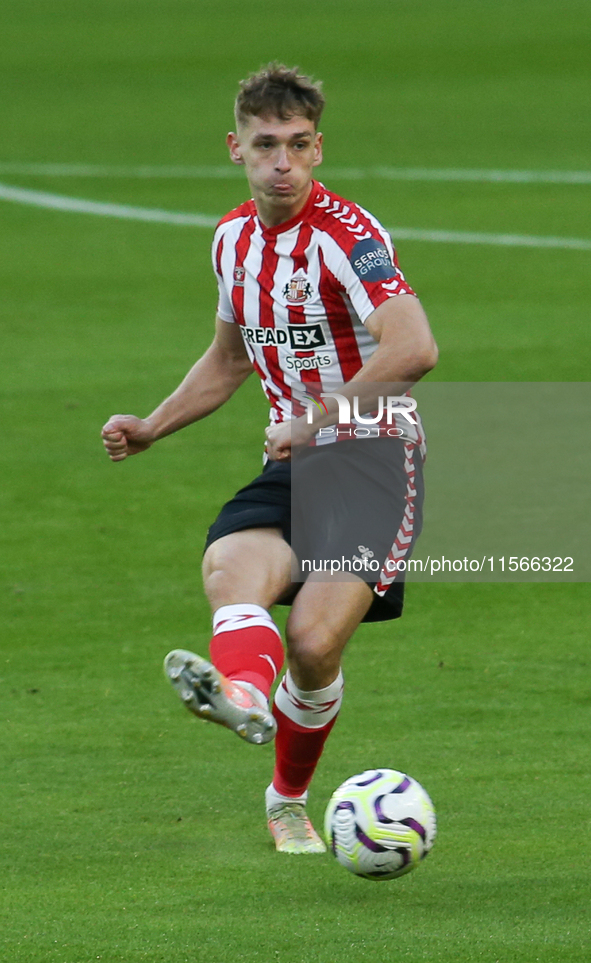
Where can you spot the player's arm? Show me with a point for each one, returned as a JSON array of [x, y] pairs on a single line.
[[210, 382], [406, 347], [406, 352]]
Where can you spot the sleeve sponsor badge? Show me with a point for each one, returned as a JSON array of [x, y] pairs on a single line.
[[371, 261]]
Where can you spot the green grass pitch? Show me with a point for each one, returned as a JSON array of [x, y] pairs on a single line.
[[129, 831]]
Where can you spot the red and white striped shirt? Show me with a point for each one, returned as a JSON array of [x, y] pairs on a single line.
[[301, 293]]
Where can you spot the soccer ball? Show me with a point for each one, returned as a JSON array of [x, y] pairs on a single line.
[[380, 824]]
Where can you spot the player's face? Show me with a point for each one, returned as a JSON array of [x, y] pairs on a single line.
[[279, 156]]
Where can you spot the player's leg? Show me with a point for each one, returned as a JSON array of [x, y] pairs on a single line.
[[322, 620], [252, 565], [323, 617], [244, 573], [243, 576], [376, 515]]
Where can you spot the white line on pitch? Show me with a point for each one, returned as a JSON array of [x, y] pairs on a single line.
[[170, 171], [498, 240], [166, 171], [21, 195]]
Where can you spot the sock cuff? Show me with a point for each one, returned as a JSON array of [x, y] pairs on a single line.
[[229, 618], [315, 697], [311, 710]]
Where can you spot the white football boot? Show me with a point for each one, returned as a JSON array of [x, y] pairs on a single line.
[[292, 830], [290, 825], [210, 695]]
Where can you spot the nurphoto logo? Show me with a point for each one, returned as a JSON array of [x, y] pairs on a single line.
[[390, 406]]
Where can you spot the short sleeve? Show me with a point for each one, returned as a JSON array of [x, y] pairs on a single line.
[[224, 308], [366, 265]]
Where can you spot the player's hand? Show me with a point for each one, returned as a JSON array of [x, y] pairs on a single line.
[[126, 435], [285, 436]]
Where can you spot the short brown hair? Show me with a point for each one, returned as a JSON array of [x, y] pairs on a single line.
[[279, 91]]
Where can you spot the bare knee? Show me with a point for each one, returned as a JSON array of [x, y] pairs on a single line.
[[222, 558], [252, 566], [322, 620], [314, 656]]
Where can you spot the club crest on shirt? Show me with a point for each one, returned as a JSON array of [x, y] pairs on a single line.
[[298, 289], [239, 274]]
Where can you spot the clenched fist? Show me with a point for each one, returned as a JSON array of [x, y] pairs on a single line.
[[125, 435]]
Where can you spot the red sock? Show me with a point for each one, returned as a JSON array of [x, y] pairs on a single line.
[[304, 721], [297, 751], [246, 645]]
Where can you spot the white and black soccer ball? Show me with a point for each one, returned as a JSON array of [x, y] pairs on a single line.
[[380, 824]]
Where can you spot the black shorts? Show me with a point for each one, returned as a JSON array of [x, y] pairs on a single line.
[[354, 506]]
